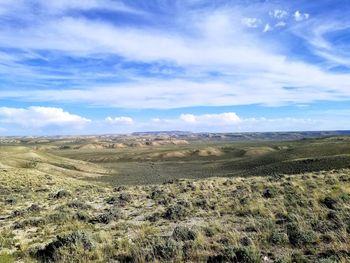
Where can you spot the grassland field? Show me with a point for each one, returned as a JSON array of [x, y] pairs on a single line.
[[152, 198]]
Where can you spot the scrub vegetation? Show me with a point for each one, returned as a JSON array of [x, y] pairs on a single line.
[[263, 201]]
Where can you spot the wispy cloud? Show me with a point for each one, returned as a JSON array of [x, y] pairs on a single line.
[[132, 55]]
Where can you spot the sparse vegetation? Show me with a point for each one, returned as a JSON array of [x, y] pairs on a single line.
[[283, 217]]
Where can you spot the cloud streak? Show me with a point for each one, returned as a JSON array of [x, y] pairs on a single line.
[[244, 62]]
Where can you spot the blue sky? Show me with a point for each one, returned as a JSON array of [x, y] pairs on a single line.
[[108, 66]]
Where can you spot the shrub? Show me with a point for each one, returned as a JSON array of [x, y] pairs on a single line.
[[11, 200], [278, 238], [156, 193], [182, 233], [106, 217], [246, 241], [345, 197], [111, 200], [34, 208], [34, 222], [299, 237], [155, 216], [300, 258], [62, 194], [269, 193], [166, 249], [236, 255], [119, 188], [78, 205], [51, 251], [162, 197], [176, 212], [202, 203], [329, 202], [210, 231], [125, 197], [335, 220], [58, 217]]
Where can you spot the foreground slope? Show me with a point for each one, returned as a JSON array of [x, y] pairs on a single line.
[[285, 218]]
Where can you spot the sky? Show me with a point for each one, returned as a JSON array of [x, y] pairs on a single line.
[[114, 66]]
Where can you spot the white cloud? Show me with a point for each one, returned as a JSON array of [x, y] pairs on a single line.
[[189, 118], [299, 16], [281, 24], [122, 120], [247, 65], [59, 7], [38, 117], [156, 120], [267, 28], [251, 22], [227, 118], [231, 122], [278, 13]]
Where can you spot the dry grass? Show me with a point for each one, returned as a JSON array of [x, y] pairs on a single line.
[[298, 218]]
